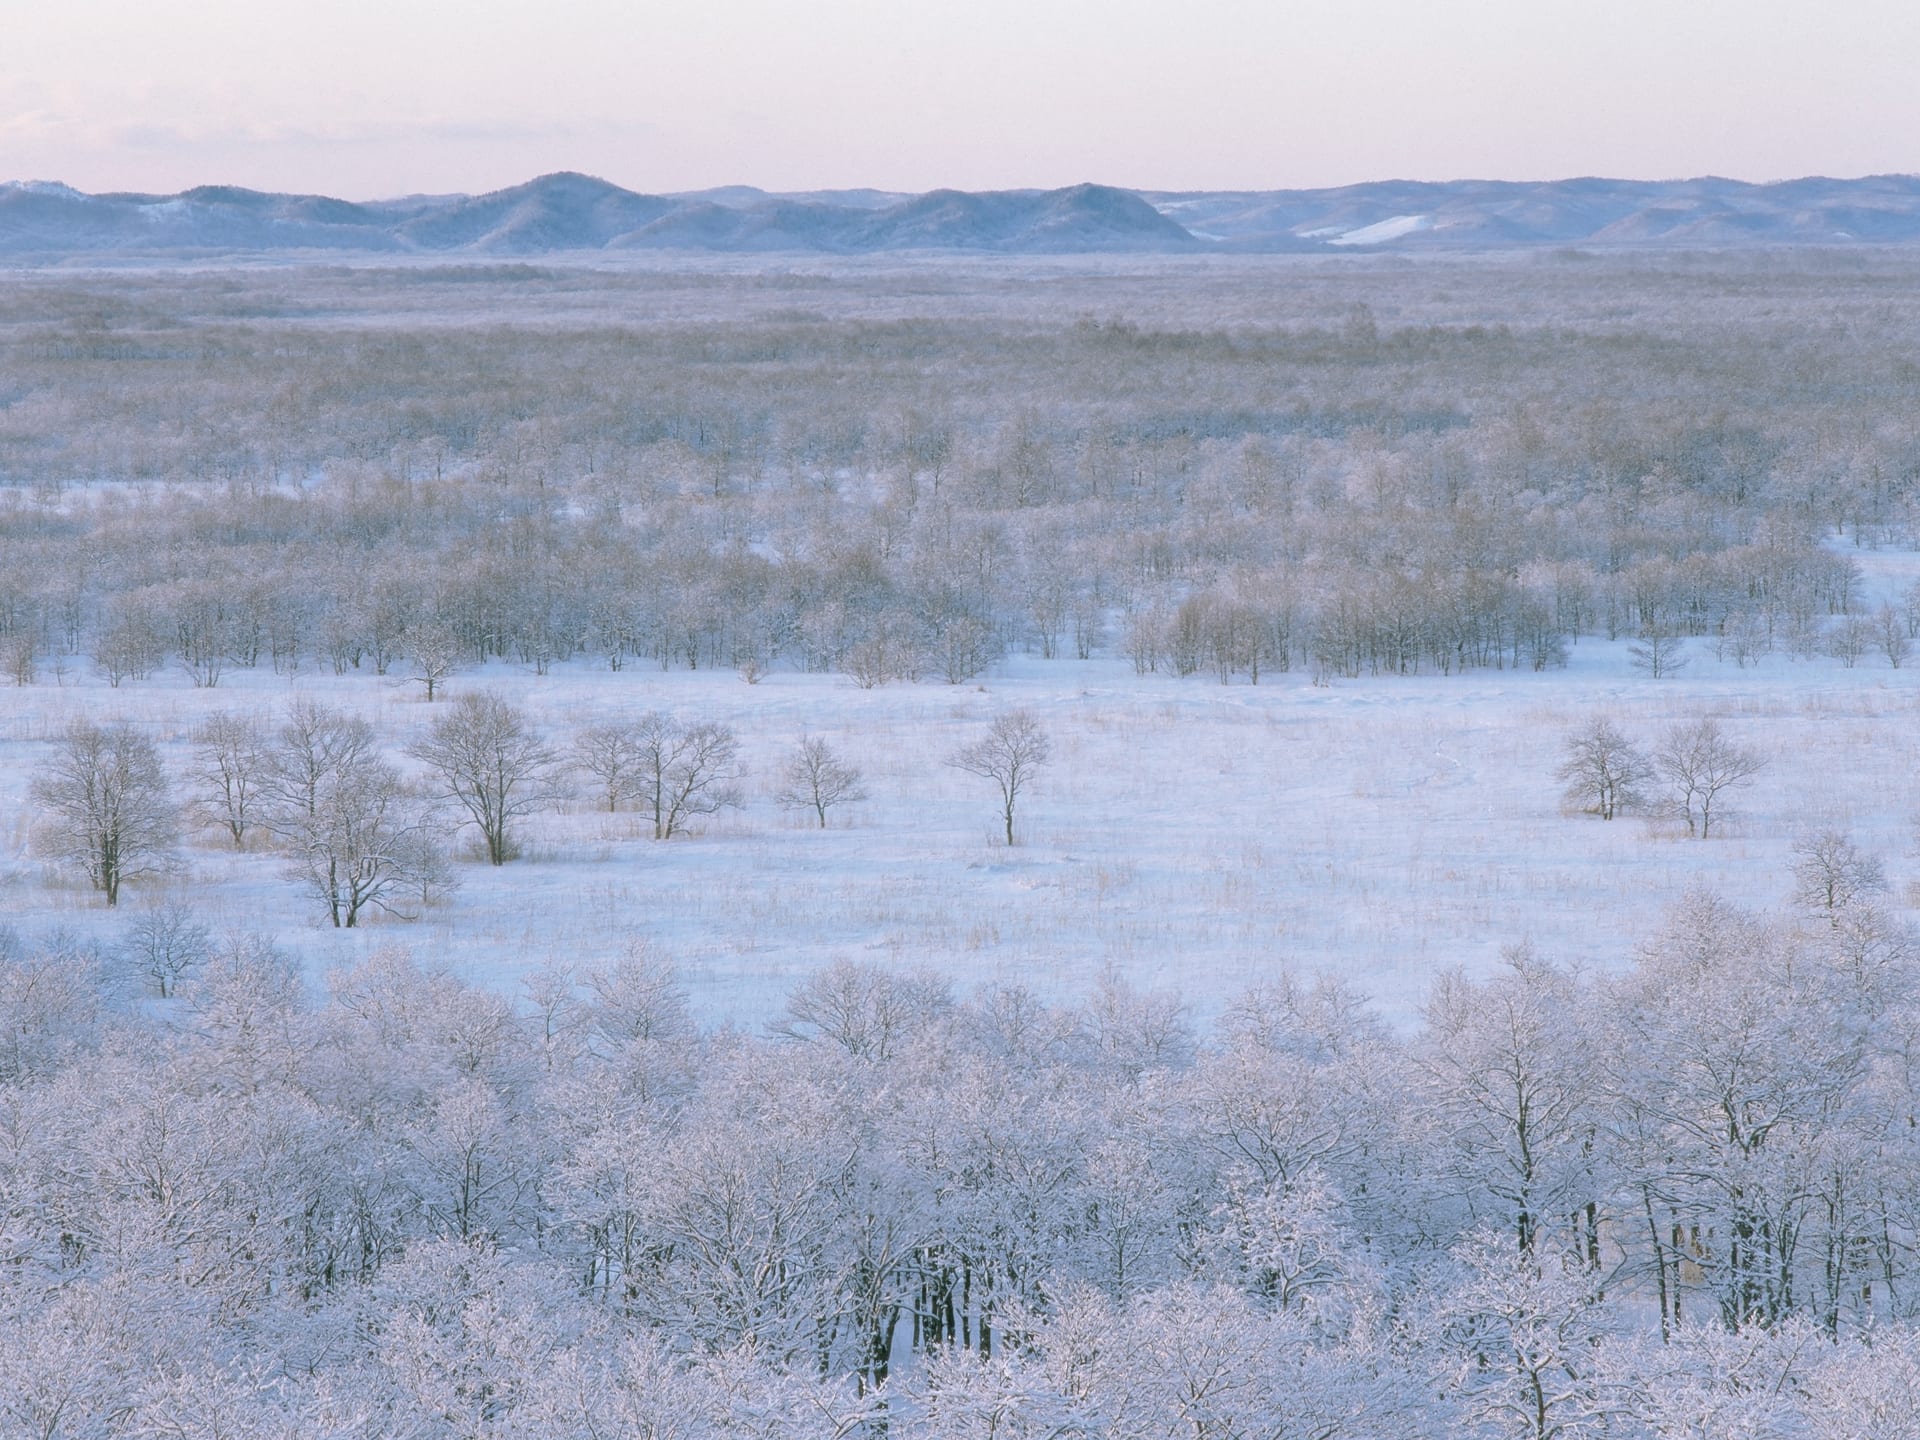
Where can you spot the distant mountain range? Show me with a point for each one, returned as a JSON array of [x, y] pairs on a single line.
[[570, 212]]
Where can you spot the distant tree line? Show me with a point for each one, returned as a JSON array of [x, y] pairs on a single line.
[[910, 500]]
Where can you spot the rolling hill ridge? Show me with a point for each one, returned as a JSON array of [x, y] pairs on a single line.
[[570, 212]]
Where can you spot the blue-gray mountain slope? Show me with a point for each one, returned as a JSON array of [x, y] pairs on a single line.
[[570, 213]]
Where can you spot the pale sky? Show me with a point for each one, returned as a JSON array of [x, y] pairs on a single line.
[[371, 98]]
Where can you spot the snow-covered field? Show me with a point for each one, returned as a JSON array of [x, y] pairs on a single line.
[[1189, 834]]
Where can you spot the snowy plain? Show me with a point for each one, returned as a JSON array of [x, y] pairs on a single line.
[[1190, 835]]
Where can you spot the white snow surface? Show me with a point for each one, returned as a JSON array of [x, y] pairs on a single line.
[[1188, 834], [1382, 231]]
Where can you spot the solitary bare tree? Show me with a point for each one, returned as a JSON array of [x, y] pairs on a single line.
[[111, 813], [1011, 755], [1890, 629], [816, 779], [1700, 764], [1606, 774], [489, 760]]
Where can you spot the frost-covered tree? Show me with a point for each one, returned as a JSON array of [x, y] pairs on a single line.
[[313, 745], [1892, 636], [1830, 873], [1700, 764], [613, 755], [108, 807], [368, 844], [433, 653], [1516, 1333], [1510, 1098], [684, 770], [166, 943], [1605, 773], [228, 771], [488, 759], [1659, 654], [866, 1010]]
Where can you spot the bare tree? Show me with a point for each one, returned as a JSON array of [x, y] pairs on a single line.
[[963, 646], [366, 845], [202, 632], [356, 838], [426, 874], [1851, 638], [867, 1010], [111, 811], [1890, 629], [1511, 1095], [1700, 764], [130, 645], [816, 779], [868, 662], [433, 653], [165, 943], [490, 761], [1606, 774], [1012, 754], [635, 998], [314, 743], [615, 757], [230, 760], [685, 770], [1658, 653], [19, 654], [1830, 872]]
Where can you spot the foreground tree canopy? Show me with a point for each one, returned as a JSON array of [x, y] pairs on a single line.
[[1562, 1206]]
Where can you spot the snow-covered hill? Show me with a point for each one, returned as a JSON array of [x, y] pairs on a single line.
[[571, 212]]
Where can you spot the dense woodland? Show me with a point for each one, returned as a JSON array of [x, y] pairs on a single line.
[[236, 1199], [1384, 468], [1681, 1202]]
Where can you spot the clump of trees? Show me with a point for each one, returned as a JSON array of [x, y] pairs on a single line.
[[675, 771], [1689, 776], [357, 836]]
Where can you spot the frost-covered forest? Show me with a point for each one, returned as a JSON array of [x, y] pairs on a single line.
[[906, 473], [1201, 848]]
